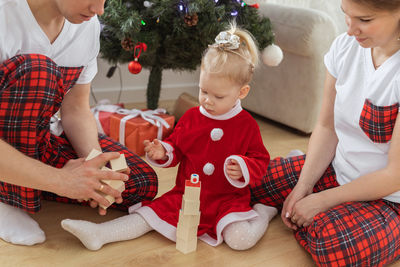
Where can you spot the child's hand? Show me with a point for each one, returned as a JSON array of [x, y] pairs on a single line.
[[155, 150], [233, 170]]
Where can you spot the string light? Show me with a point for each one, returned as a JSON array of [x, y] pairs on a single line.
[[143, 23]]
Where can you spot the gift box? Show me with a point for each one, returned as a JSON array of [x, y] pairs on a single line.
[[102, 112], [132, 127]]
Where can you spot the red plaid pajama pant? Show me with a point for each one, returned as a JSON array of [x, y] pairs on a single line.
[[32, 88], [350, 234]]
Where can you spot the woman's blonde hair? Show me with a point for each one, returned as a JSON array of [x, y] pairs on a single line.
[[236, 64]]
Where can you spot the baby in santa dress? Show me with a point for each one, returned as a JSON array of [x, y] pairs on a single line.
[[218, 140]]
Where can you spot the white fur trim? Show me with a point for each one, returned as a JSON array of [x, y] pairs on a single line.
[[245, 171], [230, 114], [161, 226], [228, 219], [170, 156], [216, 134], [134, 207], [208, 168]]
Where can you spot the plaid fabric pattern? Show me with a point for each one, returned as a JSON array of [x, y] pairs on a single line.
[[354, 234], [377, 122], [31, 91], [282, 176], [142, 184], [350, 234]]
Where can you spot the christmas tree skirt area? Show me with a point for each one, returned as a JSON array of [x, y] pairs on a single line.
[[276, 248]]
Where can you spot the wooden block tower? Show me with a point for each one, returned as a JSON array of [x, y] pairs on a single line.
[[118, 165], [189, 216]]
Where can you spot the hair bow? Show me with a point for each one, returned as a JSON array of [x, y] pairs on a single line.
[[227, 40]]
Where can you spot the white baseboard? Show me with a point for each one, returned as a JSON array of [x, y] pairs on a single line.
[[138, 94]]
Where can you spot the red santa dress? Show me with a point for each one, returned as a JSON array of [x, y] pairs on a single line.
[[204, 144]]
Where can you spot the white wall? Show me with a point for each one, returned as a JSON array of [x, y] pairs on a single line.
[[134, 85]]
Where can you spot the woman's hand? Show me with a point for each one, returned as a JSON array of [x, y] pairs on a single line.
[[299, 192], [305, 209], [155, 150]]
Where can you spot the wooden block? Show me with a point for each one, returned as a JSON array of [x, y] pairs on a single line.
[[190, 207], [186, 246], [186, 233], [192, 193], [94, 153], [116, 184], [119, 164], [188, 220]]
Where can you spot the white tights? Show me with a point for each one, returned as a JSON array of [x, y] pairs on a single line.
[[245, 234], [94, 236], [238, 235]]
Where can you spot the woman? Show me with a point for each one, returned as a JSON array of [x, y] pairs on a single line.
[[342, 200]]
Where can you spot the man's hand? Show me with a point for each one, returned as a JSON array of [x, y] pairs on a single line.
[[81, 179]]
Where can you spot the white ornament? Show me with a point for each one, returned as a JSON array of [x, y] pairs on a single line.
[[216, 134], [208, 169], [272, 55], [147, 4]]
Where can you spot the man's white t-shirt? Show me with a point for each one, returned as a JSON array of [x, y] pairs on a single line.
[[77, 45], [360, 86]]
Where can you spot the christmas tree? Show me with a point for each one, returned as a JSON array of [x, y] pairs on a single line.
[[175, 33]]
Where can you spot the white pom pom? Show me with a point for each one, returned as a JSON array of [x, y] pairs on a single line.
[[216, 134], [208, 168], [272, 55]]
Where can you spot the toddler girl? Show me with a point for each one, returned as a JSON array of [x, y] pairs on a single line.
[[219, 141]]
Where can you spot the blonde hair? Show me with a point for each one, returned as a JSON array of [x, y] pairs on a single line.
[[235, 64]]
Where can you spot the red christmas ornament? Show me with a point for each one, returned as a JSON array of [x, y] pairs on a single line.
[[255, 5], [134, 66]]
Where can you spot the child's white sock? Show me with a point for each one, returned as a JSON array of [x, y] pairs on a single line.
[[94, 236], [245, 234], [17, 227]]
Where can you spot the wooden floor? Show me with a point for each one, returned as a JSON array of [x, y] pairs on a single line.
[[276, 248]]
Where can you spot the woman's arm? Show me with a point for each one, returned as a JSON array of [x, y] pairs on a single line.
[[323, 141], [320, 152], [78, 122]]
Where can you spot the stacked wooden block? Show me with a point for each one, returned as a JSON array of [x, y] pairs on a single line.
[[189, 216], [118, 165]]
